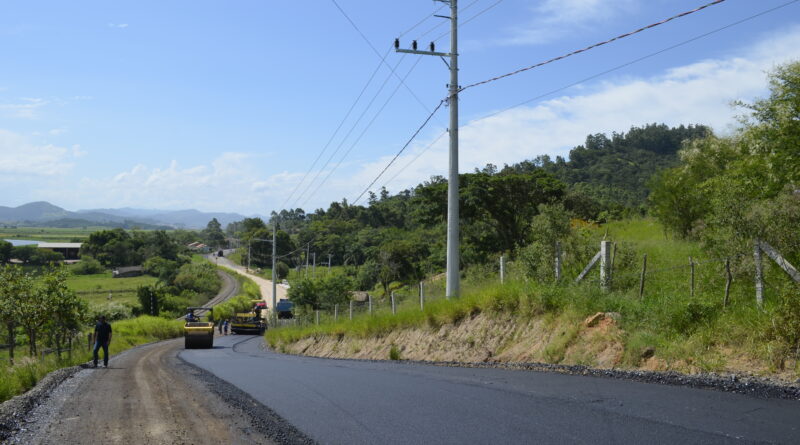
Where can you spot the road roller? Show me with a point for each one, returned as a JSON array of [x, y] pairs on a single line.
[[198, 334]]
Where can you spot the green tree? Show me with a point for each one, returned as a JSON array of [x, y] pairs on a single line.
[[5, 251], [213, 234], [67, 312], [150, 299], [15, 287]]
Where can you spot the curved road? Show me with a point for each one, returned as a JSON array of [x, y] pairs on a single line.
[[264, 285], [352, 402]]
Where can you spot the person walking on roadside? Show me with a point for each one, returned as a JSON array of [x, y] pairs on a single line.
[[220, 325], [102, 338], [227, 327]]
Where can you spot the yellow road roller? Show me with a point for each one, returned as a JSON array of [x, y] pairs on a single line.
[[198, 334]]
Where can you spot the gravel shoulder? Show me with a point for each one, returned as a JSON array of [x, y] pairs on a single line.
[[146, 396]]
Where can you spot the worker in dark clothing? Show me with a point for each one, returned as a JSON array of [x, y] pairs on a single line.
[[102, 338]]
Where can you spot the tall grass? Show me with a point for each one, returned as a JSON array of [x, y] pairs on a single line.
[[682, 327], [28, 371]]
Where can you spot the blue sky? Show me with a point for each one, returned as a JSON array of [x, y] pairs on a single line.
[[224, 106]]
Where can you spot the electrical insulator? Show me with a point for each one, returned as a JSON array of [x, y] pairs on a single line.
[[433, 48], [396, 43], [414, 45]]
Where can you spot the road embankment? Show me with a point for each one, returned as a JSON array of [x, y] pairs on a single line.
[[590, 346]]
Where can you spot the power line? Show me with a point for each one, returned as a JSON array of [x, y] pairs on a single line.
[[422, 21], [346, 136], [438, 25], [413, 136], [367, 127], [483, 11], [621, 36], [350, 110], [421, 152], [383, 59], [339, 127], [600, 74]]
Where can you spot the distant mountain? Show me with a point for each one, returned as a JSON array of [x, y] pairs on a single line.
[[32, 211], [43, 213], [189, 219]]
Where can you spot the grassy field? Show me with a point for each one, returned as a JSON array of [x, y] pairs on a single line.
[[691, 331], [27, 371], [96, 288], [48, 234]]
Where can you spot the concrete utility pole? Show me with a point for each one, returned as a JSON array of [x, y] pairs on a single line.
[[453, 242], [274, 273]]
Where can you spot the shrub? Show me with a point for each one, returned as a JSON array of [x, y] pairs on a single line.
[[87, 266], [394, 353], [281, 270]]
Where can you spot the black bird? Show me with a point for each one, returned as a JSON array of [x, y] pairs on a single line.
[[414, 45], [396, 43], [433, 50]]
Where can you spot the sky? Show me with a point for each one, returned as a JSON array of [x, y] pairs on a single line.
[[252, 106]]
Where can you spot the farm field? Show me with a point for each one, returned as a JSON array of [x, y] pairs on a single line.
[[48, 234], [96, 287]]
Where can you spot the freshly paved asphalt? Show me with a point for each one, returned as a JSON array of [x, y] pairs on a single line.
[[353, 402]]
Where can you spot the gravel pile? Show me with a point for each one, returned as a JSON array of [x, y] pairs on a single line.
[[263, 419]]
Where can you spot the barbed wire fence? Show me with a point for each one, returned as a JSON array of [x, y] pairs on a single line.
[[707, 279]]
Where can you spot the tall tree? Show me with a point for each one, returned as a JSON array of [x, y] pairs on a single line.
[[213, 234]]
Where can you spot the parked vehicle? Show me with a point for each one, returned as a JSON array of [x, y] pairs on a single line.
[[285, 309]]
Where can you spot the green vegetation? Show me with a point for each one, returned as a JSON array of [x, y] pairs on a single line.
[[687, 332], [715, 195], [27, 371], [240, 303], [48, 234]]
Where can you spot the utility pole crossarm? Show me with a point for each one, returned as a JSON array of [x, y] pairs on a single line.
[[424, 53]]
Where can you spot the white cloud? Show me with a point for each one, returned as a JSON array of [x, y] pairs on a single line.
[[77, 152], [19, 156], [229, 182], [118, 25], [698, 93], [26, 108], [554, 18]]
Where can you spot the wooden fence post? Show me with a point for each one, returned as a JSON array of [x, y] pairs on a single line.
[[502, 269], [759, 274], [351, 310], [316, 316], [394, 309], [421, 297], [370, 303], [728, 279], [644, 274], [605, 264], [335, 313], [691, 277], [558, 261]]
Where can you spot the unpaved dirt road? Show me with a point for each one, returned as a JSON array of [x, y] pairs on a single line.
[[263, 284], [146, 396]]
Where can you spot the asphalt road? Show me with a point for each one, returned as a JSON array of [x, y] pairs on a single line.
[[351, 402]]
